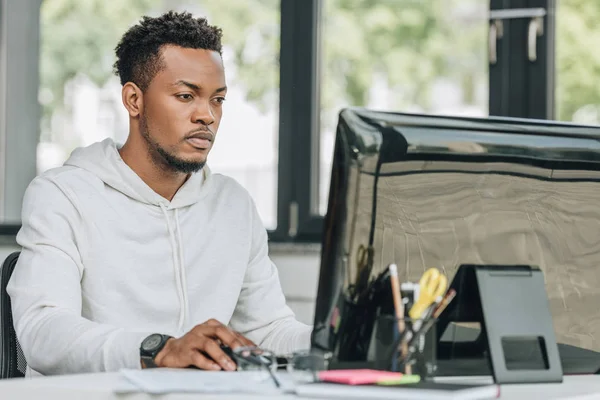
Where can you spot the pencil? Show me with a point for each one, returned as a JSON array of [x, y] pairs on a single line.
[[399, 307], [444, 303]]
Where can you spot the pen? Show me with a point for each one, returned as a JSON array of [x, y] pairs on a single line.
[[399, 307], [426, 316], [427, 325]]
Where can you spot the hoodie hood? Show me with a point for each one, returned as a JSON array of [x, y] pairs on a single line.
[[104, 161]]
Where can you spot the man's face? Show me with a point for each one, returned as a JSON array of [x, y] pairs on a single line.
[[183, 108]]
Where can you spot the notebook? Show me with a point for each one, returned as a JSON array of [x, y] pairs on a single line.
[[419, 391]]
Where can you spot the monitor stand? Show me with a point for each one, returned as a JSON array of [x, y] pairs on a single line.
[[574, 360], [510, 305]]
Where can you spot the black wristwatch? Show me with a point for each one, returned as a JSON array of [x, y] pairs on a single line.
[[150, 347]]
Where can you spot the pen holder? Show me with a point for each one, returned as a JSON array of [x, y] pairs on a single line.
[[411, 351], [352, 329]]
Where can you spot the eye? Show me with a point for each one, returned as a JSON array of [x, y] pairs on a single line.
[[219, 100], [185, 96]]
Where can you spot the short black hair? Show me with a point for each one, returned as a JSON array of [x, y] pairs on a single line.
[[139, 51]]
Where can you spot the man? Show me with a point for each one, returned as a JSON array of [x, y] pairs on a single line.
[[138, 256]]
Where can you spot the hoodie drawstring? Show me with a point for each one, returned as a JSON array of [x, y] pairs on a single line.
[[182, 268], [177, 265]]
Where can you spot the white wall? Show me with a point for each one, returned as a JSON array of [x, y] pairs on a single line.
[[298, 267]]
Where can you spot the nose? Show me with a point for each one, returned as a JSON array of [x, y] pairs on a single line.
[[203, 114]]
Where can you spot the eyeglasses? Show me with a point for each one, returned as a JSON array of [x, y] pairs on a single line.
[[302, 366], [250, 357]]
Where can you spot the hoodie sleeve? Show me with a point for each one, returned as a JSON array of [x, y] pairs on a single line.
[[45, 291], [262, 314]]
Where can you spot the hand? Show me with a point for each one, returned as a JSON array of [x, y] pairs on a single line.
[[200, 348]]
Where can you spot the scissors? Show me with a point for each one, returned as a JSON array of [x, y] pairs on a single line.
[[364, 261], [432, 285]]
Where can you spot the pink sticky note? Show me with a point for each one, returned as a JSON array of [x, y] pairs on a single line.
[[357, 376]]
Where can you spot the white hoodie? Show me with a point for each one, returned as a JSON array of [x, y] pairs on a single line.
[[106, 261]]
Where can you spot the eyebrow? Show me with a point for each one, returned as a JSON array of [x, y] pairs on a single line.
[[196, 87]]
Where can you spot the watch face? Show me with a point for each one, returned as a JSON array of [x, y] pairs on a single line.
[[151, 342]]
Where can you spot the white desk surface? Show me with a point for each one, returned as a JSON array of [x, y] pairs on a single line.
[[100, 387]]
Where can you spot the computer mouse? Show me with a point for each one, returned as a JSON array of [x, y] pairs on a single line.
[[245, 360], [227, 350]]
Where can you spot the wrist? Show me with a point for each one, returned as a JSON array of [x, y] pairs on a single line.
[[158, 358], [150, 347]]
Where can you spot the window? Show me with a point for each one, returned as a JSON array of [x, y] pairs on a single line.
[[404, 55], [19, 111], [521, 67], [292, 65], [577, 68], [81, 98]]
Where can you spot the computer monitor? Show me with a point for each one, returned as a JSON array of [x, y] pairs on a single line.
[[434, 191]]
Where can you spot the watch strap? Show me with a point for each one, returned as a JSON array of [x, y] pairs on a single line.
[[147, 356]]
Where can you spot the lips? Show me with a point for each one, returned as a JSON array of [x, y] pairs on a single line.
[[200, 141]]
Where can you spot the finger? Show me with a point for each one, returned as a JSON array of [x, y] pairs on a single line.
[[200, 361], [224, 335], [213, 350], [216, 330], [209, 328], [245, 341], [230, 338]]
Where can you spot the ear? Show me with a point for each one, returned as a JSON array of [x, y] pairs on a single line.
[[132, 98]]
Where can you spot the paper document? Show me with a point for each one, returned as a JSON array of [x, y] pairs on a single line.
[[171, 380]]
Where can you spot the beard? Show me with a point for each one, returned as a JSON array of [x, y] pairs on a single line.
[[163, 157]]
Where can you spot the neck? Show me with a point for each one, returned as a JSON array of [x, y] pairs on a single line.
[[161, 178]]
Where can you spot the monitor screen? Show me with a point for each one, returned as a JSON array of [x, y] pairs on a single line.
[[430, 191]]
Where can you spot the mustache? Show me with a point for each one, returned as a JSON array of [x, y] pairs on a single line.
[[205, 134]]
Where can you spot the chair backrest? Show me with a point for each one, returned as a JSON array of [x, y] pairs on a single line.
[[12, 360]]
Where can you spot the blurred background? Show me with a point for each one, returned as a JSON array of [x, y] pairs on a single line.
[[291, 66]]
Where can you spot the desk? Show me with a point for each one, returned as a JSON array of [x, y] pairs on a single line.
[[100, 387]]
